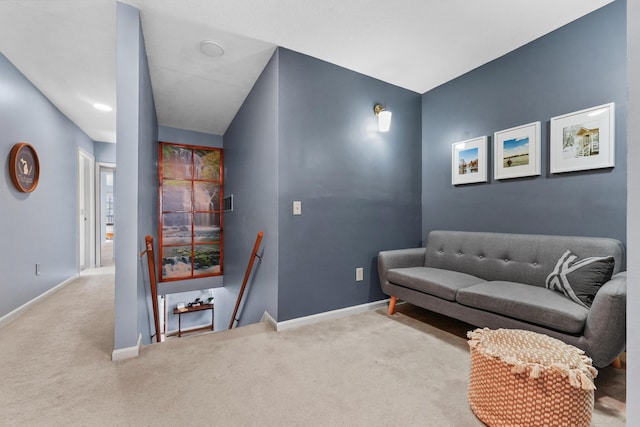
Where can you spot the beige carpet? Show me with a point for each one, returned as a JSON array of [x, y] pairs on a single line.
[[365, 370]]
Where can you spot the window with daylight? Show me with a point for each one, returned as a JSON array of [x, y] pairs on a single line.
[[190, 211]]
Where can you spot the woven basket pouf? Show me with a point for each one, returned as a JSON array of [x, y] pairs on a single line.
[[522, 378]]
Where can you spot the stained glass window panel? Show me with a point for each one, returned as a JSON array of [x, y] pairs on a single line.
[[176, 196], [206, 196], [206, 227], [176, 228], [191, 187], [206, 260], [176, 162], [176, 261], [206, 165]]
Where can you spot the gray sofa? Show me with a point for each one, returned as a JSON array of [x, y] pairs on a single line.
[[497, 280]]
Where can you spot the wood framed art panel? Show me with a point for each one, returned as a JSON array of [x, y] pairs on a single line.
[[24, 167], [583, 139], [469, 161], [516, 152], [191, 198]]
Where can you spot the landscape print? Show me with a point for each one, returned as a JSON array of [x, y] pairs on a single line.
[[468, 161], [515, 152], [582, 140]]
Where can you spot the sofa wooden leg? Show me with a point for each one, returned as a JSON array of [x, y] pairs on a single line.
[[392, 305], [617, 363]]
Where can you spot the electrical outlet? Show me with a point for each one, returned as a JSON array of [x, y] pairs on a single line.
[[297, 207], [359, 274], [37, 269]]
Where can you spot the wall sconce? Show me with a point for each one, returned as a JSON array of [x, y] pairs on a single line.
[[384, 118]]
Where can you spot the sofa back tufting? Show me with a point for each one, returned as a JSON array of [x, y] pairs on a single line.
[[525, 258]]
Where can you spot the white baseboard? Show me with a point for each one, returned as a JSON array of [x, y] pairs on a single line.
[[13, 314], [127, 352], [266, 317], [335, 314]]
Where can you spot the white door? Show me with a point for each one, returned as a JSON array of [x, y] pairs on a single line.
[[86, 221]]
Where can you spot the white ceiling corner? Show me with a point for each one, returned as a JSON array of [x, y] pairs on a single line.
[[67, 48]]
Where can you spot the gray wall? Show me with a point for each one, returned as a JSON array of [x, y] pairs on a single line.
[[42, 226], [251, 175], [578, 66], [136, 195], [307, 132], [360, 189], [104, 152], [633, 213], [181, 136], [148, 197]]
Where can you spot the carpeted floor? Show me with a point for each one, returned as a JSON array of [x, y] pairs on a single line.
[[365, 370]]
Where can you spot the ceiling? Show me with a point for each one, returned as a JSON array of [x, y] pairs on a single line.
[[67, 48]]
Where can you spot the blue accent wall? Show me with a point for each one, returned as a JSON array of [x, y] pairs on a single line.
[[136, 195], [307, 132], [42, 226], [360, 189], [578, 66], [251, 175]]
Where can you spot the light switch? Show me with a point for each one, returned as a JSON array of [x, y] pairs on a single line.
[[297, 207]]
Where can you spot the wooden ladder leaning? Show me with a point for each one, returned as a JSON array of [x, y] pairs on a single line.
[[254, 255]]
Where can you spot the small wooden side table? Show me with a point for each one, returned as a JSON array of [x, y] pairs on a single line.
[[192, 310]]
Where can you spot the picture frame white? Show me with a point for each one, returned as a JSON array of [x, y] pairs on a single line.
[[469, 161], [583, 140], [516, 151]]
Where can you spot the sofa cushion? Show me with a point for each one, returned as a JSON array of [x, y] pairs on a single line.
[[433, 281], [528, 303], [580, 280]]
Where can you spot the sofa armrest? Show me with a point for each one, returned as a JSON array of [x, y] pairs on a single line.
[[606, 327], [398, 258]]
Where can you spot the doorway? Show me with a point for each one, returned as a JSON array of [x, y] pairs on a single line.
[[86, 212], [105, 208]]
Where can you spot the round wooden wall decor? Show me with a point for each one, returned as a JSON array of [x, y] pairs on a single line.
[[24, 167]]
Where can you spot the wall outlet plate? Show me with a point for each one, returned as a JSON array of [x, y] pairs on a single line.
[[359, 274]]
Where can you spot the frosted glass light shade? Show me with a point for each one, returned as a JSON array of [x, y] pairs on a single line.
[[384, 121]]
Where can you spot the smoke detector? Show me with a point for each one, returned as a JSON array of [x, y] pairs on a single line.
[[211, 48]]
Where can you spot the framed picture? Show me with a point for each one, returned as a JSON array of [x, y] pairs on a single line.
[[469, 161], [583, 140], [24, 167], [516, 152]]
